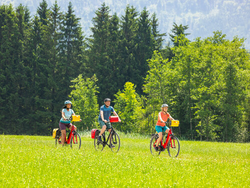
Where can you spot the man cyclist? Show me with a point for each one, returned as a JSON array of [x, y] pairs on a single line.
[[103, 119], [160, 125]]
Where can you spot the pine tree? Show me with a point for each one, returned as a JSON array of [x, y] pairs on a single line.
[[158, 38], [71, 50], [178, 31], [99, 44], [10, 62], [129, 29], [43, 12], [146, 46]]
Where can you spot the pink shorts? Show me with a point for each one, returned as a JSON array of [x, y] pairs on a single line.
[[63, 126]]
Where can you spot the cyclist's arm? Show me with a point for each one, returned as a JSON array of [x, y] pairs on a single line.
[[101, 112], [116, 115], [73, 113], [160, 117], [170, 117], [63, 115]]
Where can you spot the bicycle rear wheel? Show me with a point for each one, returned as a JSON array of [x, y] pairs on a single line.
[[99, 145], [75, 142], [173, 146], [115, 141], [152, 145], [57, 141]]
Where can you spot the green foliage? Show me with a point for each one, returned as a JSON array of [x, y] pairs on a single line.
[[129, 107], [205, 82], [206, 87], [84, 100], [160, 87], [178, 31]]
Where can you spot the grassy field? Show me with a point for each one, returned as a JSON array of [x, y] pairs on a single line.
[[33, 161]]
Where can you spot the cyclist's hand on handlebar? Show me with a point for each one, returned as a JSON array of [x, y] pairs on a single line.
[[105, 121]]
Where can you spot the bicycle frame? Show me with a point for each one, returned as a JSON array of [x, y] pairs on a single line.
[[172, 144], [110, 134], [73, 129]]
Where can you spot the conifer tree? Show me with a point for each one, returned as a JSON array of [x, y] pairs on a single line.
[[72, 45], [158, 38], [129, 29], [99, 62], [146, 46], [10, 62]]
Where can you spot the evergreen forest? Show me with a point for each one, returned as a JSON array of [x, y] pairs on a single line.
[[46, 59]]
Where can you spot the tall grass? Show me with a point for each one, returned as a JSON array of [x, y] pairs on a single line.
[[33, 161]]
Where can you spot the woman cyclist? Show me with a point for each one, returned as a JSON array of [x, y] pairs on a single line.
[[160, 125], [64, 122]]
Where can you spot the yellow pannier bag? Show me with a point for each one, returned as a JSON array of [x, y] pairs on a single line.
[[75, 117], [55, 133], [174, 123]]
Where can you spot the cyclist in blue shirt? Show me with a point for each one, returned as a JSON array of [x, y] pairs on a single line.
[[103, 119]]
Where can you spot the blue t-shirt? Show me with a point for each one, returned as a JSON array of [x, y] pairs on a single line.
[[106, 112], [67, 115]]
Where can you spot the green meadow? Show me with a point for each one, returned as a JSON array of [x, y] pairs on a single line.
[[34, 161]]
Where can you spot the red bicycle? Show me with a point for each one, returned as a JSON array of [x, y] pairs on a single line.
[[171, 143], [73, 139]]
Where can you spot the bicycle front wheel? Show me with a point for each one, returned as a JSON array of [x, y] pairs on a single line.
[[173, 146], [152, 145], [99, 144], [115, 142], [75, 142]]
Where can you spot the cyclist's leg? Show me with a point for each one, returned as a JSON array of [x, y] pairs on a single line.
[[70, 126], [62, 127], [108, 124], [103, 127], [159, 131], [167, 130]]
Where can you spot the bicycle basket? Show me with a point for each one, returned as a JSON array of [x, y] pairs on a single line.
[[75, 117], [174, 123], [113, 119]]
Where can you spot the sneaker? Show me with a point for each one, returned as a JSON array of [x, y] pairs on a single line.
[[156, 148], [161, 148]]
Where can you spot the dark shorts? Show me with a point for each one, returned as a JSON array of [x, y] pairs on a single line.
[[63, 126], [101, 123]]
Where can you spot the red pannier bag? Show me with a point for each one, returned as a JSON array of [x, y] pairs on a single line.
[[94, 133], [113, 119]]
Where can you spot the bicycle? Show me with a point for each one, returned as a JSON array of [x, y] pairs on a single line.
[[112, 139], [172, 143], [74, 139]]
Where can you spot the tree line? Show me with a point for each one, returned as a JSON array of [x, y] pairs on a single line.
[[46, 59]]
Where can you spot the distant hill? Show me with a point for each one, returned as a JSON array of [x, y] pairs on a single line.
[[232, 17]]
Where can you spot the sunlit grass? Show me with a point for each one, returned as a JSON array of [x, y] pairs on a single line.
[[33, 161]]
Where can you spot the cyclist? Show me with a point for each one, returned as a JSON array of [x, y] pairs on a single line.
[[160, 125], [103, 119], [64, 122]]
